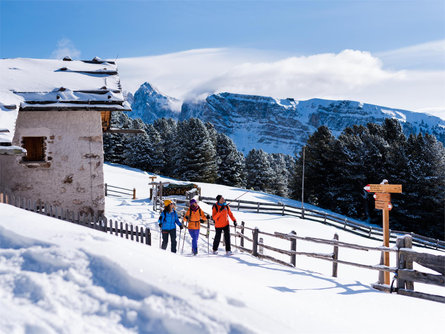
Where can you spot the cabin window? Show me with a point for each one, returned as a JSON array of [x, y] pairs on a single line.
[[35, 148], [106, 120]]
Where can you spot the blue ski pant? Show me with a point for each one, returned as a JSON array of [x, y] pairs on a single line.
[[195, 236]]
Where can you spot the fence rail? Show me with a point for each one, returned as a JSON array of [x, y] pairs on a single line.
[[97, 222], [371, 232], [117, 191], [404, 272]]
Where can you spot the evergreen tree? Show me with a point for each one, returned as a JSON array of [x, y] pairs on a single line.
[[231, 162], [259, 172], [196, 156], [280, 178], [167, 128]]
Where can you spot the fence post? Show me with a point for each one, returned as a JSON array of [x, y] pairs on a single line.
[[400, 261], [293, 248], [408, 243], [302, 213], [147, 236], [105, 225], [335, 257], [121, 229], [242, 232], [284, 207], [381, 273], [126, 230], [137, 233], [258, 208], [255, 242], [134, 193], [106, 190], [238, 204], [260, 246]]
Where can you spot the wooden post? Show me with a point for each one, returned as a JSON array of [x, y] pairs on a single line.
[[335, 257], [242, 232], [105, 225], [400, 261], [386, 243], [293, 248], [137, 233], [147, 236], [258, 207], [238, 204], [106, 190], [284, 207], [121, 229], [255, 242], [408, 243], [134, 193], [126, 230], [260, 246]]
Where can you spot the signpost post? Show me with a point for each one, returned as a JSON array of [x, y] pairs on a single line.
[[382, 198]]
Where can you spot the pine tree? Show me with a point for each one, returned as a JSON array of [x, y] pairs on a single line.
[[196, 154], [167, 128], [259, 172], [231, 162]]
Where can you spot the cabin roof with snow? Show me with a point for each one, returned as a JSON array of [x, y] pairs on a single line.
[[54, 85]]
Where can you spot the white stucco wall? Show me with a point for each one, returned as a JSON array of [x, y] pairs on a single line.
[[72, 175]]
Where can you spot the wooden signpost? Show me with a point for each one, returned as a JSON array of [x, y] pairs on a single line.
[[382, 198]]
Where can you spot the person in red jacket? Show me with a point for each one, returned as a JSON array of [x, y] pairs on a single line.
[[220, 214]]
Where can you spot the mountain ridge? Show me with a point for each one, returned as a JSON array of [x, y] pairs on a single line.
[[277, 125]]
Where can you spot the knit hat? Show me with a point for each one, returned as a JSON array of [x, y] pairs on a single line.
[[193, 201], [167, 202], [218, 198]]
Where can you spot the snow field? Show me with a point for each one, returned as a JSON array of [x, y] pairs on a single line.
[[58, 277]]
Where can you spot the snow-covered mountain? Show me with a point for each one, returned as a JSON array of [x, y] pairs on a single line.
[[149, 104], [277, 125]]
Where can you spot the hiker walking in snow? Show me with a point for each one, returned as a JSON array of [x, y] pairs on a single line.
[[167, 222], [220, 213], [194, 217]]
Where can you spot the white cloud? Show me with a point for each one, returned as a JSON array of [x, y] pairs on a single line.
[[65, 47], [426, 56], [350, 74]]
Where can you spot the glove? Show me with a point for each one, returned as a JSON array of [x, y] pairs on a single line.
[[201, 221], [181, 226], [187, 217], [235, 223], [160, 225]]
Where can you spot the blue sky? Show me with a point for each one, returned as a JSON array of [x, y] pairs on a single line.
[[141, 28], [390, 53]]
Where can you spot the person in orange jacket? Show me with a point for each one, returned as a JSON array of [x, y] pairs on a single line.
[[220, 214], [194, 216]]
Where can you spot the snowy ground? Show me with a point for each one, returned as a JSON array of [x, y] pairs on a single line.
[[57, 277]]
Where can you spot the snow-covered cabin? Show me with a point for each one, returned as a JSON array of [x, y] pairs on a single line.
[[52, 116]]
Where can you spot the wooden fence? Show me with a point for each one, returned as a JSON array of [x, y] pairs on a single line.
[[371, 232], [404, 272], [101, 223], [119, 191]]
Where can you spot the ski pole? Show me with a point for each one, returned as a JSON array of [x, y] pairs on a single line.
[[183, 241], [239, 197], [208, 235]]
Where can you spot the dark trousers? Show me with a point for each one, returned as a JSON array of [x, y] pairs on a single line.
[[172, 234], [219, 230]]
